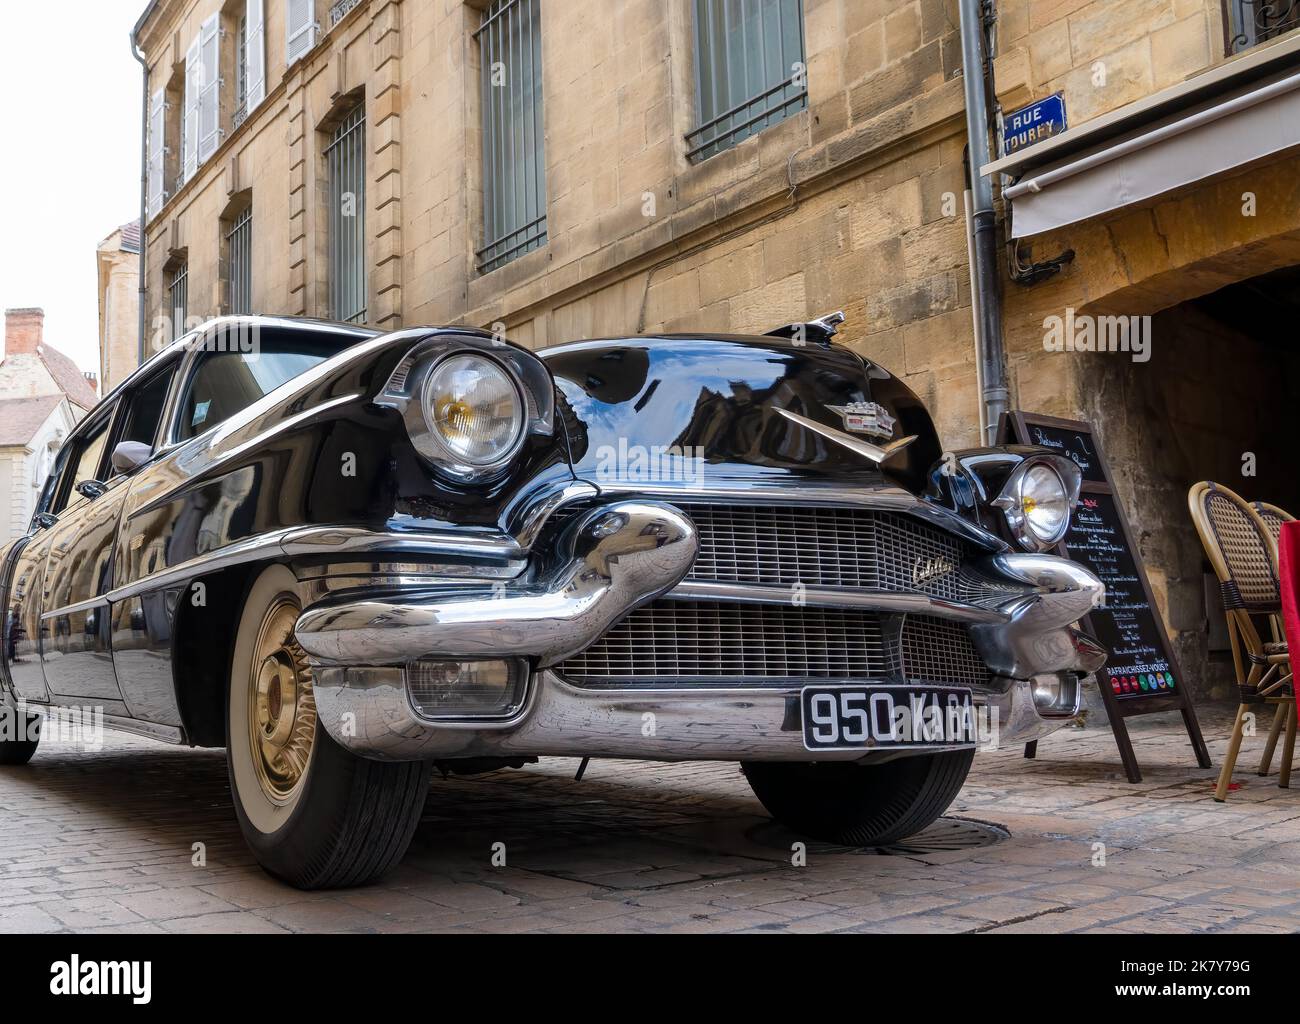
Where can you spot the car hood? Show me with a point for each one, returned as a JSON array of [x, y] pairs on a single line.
[[719, 399]]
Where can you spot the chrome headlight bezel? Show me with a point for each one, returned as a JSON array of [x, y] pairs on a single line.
[[406, 390], [1011, 501], [430, 441]]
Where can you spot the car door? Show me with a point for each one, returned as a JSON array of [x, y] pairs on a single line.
[[75, 651], [141, 623], [25, 590]]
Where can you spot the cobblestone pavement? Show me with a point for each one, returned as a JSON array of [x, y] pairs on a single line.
[[103, 841]]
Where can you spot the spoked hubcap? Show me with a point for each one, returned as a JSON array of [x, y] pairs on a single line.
[[282, 711]]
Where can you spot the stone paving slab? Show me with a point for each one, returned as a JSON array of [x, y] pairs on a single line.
[[139, 836]]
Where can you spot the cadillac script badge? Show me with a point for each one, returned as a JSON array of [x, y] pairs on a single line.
[[866, 418]]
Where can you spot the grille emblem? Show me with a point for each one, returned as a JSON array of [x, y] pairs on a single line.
[[926, 569], [866, 418]]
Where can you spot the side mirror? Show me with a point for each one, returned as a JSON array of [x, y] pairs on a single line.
[[130, 456], [44, 520], [91, 489]]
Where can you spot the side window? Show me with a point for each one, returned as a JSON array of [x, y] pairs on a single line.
[[145, 409], [88, 452], [54, 482]]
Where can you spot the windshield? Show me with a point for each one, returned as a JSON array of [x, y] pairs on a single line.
[[224, 383]]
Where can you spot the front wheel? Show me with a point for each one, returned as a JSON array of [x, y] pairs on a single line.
[[313, 814], [856, 804]]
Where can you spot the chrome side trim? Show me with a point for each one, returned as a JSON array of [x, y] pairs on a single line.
[[831, 597], [297, 541], [72, 609], [265, 545], [612, 559], [347, 541]]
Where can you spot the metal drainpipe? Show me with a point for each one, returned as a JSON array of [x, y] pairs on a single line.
[[143, 290], [988, 296]]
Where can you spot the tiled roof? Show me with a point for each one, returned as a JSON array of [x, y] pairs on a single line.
[[20, 418], [68, 377]]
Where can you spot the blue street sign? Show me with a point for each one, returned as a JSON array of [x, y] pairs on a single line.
[[1040, 120]]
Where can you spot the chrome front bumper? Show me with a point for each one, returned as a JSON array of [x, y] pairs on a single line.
[[608, 561], [367, 711]]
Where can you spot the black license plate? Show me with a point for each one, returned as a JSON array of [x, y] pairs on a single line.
[[870, 717]]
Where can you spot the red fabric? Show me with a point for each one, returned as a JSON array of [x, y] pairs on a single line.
[[1289, 564]]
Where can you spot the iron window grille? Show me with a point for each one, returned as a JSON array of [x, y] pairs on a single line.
[[750, 70], [346, 157], [179, 296], [239, 249], [514, 158], [341, 10], [1251, 22]]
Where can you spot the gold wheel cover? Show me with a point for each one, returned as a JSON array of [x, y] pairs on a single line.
[[281, 705]]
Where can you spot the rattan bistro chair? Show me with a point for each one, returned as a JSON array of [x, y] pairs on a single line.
[[1273, 518], [1243, 553]]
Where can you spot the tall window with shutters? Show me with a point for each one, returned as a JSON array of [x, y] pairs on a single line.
[[190, 116], [514, 156], [157, 195], [302, 28], [201, 129], [254, 54], [750, 70]]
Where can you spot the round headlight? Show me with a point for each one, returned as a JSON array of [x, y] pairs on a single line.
[[474, 411], [1044, 503]]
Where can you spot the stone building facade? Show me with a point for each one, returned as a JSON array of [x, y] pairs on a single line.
[[118, 261], [848, 195]]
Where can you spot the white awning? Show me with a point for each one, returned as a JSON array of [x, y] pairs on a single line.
[[1235, 128]]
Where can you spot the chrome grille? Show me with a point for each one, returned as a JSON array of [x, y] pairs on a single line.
[[940, 651], [851, 548], [683, 643]]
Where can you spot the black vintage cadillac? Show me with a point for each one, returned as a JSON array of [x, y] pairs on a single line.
[[350, 557]]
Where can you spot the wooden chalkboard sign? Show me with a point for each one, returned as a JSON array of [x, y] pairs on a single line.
[[1141, 675]]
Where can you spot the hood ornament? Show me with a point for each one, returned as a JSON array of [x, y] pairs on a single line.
[[866, 418], [874, 452]]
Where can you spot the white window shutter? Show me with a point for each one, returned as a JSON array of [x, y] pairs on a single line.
[[255, 55], [190, 125], [210, 98], [300, 32], [157, 150]]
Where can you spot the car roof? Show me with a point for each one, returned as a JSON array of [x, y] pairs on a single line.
[[306, 325]]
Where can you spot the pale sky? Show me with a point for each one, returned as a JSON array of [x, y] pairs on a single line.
[[69, 157]]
